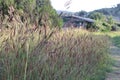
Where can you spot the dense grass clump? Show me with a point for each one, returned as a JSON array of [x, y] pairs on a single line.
[[86, 53], [29, 53]]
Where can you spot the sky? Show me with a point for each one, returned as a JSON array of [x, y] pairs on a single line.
[[86, 5]]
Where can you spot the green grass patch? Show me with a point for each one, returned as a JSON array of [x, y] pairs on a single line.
[[116, 41], [115, 37]]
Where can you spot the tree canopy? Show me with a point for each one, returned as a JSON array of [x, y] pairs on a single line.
[[102, 23], [39, 11]]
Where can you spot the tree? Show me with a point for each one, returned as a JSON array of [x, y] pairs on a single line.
[[82, 13], [97, 16], [37, 11], [102, 22], [112, 23]]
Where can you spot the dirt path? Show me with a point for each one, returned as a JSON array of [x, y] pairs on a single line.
[[115, 74]]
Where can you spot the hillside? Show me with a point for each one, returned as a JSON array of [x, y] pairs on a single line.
[[114, 11]]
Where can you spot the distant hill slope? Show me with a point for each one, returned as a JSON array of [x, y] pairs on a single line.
[[114, 11]]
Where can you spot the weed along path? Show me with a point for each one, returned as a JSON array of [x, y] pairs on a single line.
[[115, 74]]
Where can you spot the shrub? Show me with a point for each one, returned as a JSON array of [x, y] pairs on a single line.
[[102, 23]]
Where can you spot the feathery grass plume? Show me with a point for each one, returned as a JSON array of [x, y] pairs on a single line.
[[44, 54]]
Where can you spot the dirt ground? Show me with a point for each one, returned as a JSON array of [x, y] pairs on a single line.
[[115, 74]]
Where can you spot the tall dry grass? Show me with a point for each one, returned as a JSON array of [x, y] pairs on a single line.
[[28, 53]]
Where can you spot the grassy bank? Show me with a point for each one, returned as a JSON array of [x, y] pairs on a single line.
[[115, 37], [33, 54]]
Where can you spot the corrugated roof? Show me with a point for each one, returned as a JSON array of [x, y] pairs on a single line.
[[81, 18]]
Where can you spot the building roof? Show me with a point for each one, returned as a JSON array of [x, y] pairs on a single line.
[[81, 18]]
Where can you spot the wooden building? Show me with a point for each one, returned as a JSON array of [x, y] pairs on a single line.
[[76, 21]]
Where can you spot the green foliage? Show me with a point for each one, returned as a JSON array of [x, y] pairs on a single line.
[[115, 38], [102, 22], [81, 13], [37, 11], [110, 20], [116, 41], [97, 16], [57, 20], [114, 11], [54, 20], [7, 2]]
